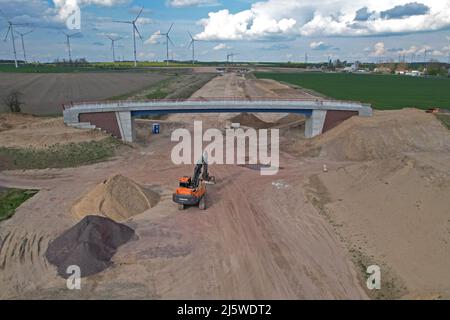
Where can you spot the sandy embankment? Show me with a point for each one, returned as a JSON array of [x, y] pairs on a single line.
[[391, 204]]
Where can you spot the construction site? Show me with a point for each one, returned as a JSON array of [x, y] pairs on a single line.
[[365, 191]]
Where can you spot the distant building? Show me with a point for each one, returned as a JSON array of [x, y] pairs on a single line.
[[411, 73], [347, 69]]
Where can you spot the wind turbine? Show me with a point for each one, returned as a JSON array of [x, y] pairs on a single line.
[[425, 55], [167, 35], [231, 55], [135, 29], [113, 47], [193, 40], [23, 43], [69, 48], [11, 30]]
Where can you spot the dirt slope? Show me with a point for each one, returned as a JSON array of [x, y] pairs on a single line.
[[385, 135], [391, 206], [25, 131]]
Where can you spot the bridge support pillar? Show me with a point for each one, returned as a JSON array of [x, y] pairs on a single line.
[[126, 126], [314, 123]]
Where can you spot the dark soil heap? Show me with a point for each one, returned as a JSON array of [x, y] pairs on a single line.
[[90, 244]]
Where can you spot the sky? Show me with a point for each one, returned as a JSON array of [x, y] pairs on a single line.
[[267, 30]]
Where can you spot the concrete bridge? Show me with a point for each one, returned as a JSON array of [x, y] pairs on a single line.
[[117, 117]]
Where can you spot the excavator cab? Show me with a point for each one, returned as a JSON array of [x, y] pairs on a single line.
[[185, 182], [192, 191]]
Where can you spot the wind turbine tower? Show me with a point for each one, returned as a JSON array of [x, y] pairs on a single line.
[[167, 35], [69, 48], [23, 44], [13, 40], [113, 46], [193, 40], [135, 30]]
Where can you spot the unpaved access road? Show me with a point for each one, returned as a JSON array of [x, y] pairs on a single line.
[[259, 238]]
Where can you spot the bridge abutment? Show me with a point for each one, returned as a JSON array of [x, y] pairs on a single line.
[[126, 126], [314, 123]]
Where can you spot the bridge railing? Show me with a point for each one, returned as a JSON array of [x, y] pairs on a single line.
[[222, 99]]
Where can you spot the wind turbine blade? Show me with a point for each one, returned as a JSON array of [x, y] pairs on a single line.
[[190, 35], [7, 33], [170, 29], [139, 34], [28, 32], [190, 44], [140, 12], [170, 40], [127, 22]]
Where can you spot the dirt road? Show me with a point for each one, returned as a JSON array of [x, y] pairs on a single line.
[[259, 238]]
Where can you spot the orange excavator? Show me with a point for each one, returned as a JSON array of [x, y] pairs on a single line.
[[192, 190]]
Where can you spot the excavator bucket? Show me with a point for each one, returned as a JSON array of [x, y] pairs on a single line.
[[211, 180]]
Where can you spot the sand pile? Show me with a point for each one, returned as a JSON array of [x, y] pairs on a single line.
[[387, 134], [118, 198], [90, 245]]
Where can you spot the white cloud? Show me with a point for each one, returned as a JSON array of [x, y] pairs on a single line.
[[379, 50], [221, 46], [191, 3], [325, 18], [146, 55], [246, 24], [65, 7], [437, 53], [414, 50], [143, 21], [154, 38], [319, 45]]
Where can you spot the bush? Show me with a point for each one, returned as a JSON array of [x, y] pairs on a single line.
[[12, 101]]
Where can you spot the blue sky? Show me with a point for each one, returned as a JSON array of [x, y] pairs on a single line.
[[268, 30]]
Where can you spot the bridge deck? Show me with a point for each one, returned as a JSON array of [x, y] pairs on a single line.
[[116, 117], [72, 111]]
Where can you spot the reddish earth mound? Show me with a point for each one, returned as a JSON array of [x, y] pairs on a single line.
[[90, 244]]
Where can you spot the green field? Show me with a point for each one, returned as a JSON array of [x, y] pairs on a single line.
[[382, 91], [11, 199]]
